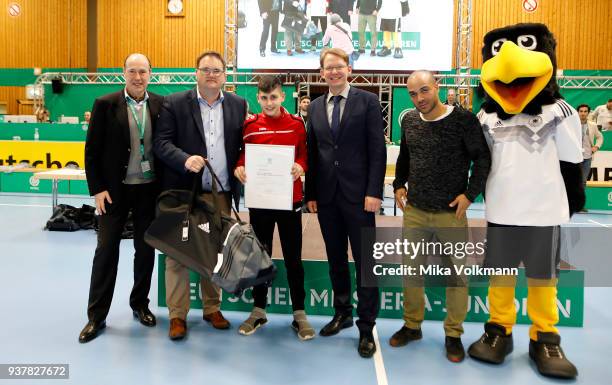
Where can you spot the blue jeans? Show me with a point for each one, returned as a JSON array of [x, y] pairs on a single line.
[[586, 169]]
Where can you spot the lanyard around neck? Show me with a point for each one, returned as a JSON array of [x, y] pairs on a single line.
[[139, 122]]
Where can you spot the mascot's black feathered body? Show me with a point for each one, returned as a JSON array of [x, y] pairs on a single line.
[[533, 187]]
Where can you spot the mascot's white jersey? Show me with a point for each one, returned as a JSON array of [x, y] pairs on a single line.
[[525, 186]]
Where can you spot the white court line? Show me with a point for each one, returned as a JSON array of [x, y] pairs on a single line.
[[20, 205], [381, 373], [305, 224], [597, 223]]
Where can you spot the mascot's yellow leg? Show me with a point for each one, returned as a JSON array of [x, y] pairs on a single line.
[[542, 306], [398, 40], [501, 301], [387, 38]]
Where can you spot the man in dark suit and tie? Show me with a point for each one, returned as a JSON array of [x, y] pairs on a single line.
[[344, 185], [194, 125], [122, 176]]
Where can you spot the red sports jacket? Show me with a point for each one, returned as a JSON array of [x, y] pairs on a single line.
[[285, 130]]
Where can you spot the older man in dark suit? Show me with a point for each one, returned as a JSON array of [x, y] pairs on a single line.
[[202, 123], [122, 176], [344, 185]]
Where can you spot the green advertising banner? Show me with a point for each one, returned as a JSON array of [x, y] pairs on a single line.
[[410, 41], [24, 182], [78, 98], [607, 141], [319, 300], [598, 198], [46, 131], [25, 76]]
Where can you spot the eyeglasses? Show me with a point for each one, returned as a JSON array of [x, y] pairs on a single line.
[[335, 68], [211, 71]]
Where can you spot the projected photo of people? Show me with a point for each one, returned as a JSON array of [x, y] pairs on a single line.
[[378, 35]]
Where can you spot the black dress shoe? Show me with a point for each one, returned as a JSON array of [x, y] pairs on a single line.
[[145, 316], [405, 335], [454, 349], [367, 347], [339, 322], [91, 330]]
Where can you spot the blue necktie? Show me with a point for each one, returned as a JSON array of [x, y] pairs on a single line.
[[335, 121]]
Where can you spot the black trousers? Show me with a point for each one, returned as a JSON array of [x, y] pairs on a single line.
[[141, 200], [342, 221], [271, 20], [322, 22], [290, 234]]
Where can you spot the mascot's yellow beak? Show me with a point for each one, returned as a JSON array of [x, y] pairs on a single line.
[[515, 76]]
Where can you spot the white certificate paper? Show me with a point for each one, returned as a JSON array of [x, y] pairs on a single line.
[[269, 183]]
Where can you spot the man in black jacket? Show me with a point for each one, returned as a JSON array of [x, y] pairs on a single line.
[[202, 123], [269, 9], [122, 176]]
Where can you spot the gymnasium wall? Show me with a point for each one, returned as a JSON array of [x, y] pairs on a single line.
[[52, 34], [580, 26], [141, 25]]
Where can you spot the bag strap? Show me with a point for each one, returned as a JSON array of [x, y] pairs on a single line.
[[214, 189], [345, 31], [196, 190]]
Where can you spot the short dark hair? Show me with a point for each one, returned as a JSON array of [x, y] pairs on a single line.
[[583, 105], [268, 83], [609, 100], [136, 53], [304, 98], [214, 54]]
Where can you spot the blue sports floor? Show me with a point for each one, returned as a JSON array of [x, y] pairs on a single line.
[[44, 281]]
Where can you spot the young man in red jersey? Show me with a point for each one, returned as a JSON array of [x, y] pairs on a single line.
[[275, 126]]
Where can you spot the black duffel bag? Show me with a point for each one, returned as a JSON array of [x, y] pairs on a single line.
[[294, 22], [192, 230], [64, 218]]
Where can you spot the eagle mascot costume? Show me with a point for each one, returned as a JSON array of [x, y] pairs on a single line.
[[534, 186]]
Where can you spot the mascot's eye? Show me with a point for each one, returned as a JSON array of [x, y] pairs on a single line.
[[527, 41], [496, 46]]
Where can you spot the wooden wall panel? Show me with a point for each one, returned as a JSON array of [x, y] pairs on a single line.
[[583, 40], [141, 26], [49, 33], [11, 95]]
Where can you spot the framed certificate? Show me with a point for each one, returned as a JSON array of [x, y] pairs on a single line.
[[269, 183]]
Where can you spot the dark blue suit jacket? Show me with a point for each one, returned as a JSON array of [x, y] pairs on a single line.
[[180, 134], [356, 162]]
